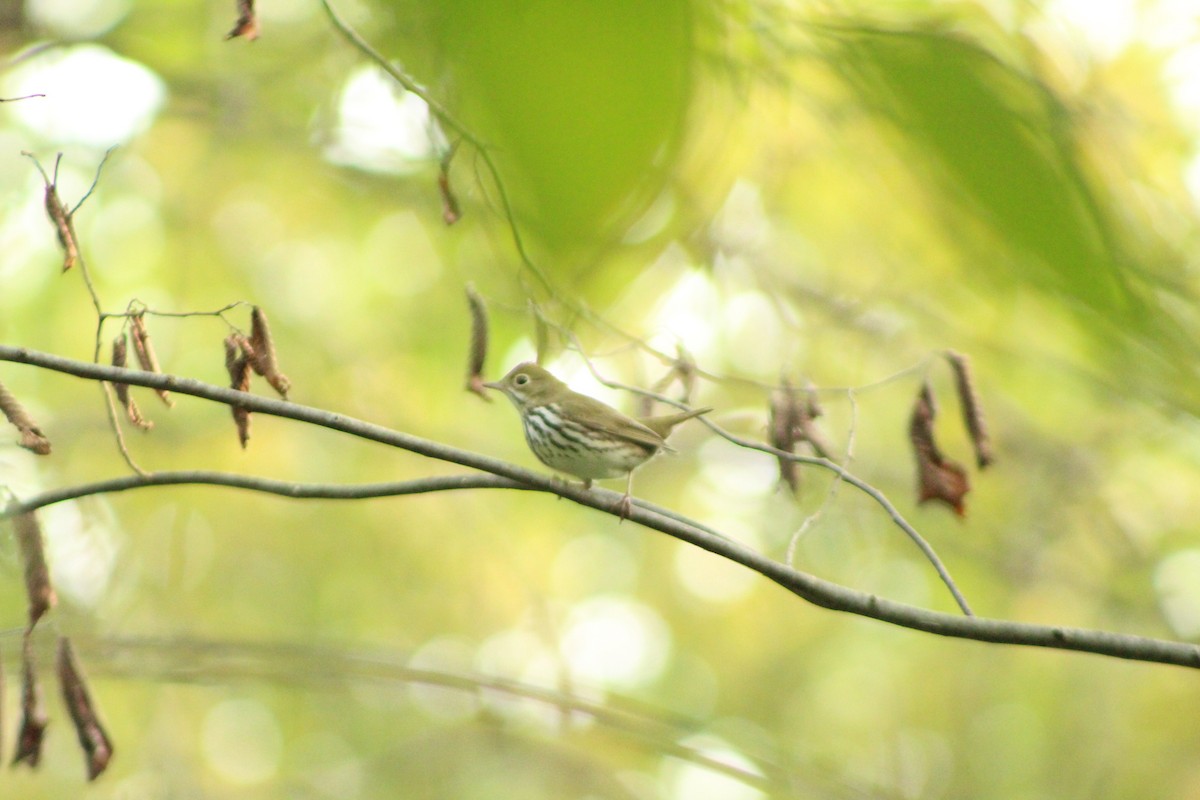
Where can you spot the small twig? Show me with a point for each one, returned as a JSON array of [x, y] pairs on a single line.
[[114, 422], [95, 180], [136, 308]]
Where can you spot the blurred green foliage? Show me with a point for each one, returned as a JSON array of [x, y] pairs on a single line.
[[833, 193]]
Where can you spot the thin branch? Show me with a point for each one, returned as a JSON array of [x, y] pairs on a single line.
[[817, 591], [95, 180], [447, 118], [138, 308], [189, 659], [841, 472], [299, 491], [114, 422], [325, 491]]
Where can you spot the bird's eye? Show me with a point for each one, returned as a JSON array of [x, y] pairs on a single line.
[[521, 379]]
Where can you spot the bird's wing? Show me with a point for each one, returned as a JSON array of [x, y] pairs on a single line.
[[618, 424]]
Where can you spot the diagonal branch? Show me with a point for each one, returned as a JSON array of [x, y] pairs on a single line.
[[817, 591], [842, 473]]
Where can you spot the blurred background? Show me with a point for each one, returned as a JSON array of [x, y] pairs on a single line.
[[831, 192]]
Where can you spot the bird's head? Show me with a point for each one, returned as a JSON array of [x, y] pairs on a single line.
[[528, 385]]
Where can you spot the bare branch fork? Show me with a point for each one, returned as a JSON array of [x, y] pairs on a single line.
[[817, 591]]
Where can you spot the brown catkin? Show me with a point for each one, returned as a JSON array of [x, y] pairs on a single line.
[[143, 348], [972, 410], [33, 713], [237, 362], [38, 590], [260, 351], [62, 226], [32, 438], [92, 737], [477, 356], [120, 357]]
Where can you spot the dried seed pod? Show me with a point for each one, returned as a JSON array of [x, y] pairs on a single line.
[[782, 431], [143, 348], [33, 714], [451, 211], [37, 576], [479, 344], [32, 437], [92, 736], [119, 359], [938, 478], [62, 226], [260, 351], [247, 22], [972, 410], [237, 362]]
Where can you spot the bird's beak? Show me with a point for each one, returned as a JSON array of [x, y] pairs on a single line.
[[494, 385]]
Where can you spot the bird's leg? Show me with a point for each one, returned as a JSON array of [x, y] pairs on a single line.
[[625, 504], [562, 481]]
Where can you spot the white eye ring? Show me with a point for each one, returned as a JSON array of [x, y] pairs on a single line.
[[521, 379]]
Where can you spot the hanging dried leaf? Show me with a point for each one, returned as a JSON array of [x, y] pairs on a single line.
[[807, 429], [92, 736], [37, 576], [143, 348], [247, 23], [938, 478], [32, 438], [479, 344], [119, 359], [261, 352], [972, 410], [782, 431], [33, 714], [237, 362]]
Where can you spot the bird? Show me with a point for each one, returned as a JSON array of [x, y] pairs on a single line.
[[581, 436]]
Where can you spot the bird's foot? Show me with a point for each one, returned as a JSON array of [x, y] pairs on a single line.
[[623, 507]]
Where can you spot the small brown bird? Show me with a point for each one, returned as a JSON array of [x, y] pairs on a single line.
[[581, 436]]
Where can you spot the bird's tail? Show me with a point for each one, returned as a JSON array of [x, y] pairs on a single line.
[[662, 425]]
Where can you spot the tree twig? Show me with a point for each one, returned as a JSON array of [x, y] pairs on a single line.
[[817, 591]]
